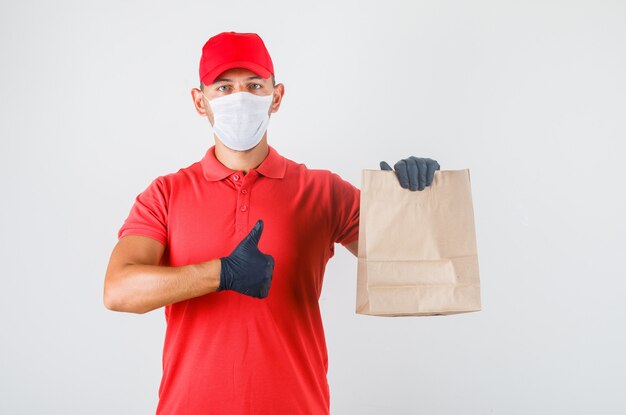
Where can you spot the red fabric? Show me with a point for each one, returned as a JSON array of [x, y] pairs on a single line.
[[227, 353]]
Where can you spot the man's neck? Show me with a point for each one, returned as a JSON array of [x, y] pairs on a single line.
[[242, 160]]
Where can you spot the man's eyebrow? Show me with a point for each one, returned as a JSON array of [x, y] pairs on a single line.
[[230, 80]]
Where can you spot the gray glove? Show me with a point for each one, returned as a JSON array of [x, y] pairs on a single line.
[[414, 173], [248, 270]]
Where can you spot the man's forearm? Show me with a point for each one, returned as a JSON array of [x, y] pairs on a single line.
[[137, 288]]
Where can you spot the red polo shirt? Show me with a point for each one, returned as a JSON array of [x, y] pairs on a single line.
[[224, 352]]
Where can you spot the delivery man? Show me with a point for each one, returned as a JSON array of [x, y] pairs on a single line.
[[234, 247]]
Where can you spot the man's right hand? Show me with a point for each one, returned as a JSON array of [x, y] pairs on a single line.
[[247, 270]]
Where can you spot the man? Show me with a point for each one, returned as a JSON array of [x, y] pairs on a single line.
[[235, 246]]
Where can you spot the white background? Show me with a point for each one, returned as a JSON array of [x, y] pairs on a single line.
[[529, 95]]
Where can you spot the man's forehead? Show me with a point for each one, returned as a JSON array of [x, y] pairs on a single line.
[[238, 74]]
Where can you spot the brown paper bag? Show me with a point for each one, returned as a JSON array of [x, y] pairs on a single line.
[[417, 249]]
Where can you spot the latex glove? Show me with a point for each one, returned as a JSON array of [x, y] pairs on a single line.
[[414, 173], [247, 270]]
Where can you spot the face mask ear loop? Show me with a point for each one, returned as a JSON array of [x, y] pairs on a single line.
[[207, 98]]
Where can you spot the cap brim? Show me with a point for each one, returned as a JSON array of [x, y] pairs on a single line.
[[210, 76]]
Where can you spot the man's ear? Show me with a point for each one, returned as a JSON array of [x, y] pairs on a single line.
[[199, 102], [279, 92]]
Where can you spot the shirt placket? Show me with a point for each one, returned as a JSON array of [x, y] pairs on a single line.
[[243, 184]]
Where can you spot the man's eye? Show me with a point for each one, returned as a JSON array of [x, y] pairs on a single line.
[[256, 86], [219, 88]]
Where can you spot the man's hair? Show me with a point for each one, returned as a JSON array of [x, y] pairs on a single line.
[[271, 78]]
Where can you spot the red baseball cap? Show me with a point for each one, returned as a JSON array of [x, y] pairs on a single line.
[[229, 50]]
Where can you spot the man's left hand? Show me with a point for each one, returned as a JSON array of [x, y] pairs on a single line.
[[414, 173]]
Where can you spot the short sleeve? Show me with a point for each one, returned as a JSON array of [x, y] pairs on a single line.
[[148, 215], [346, 199]]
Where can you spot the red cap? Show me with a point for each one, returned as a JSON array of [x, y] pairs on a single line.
[[234, 50]]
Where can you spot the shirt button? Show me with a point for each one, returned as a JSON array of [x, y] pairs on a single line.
[[236, 177], [244, 191], [244, 208]]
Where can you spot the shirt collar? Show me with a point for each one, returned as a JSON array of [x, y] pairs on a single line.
[[273, 165]]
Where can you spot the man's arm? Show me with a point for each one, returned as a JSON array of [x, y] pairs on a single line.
[[136, 283], [353, 247]]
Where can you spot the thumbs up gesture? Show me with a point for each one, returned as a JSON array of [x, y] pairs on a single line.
[[248, 270]]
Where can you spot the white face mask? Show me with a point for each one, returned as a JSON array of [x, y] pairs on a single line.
[[240, 119]]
